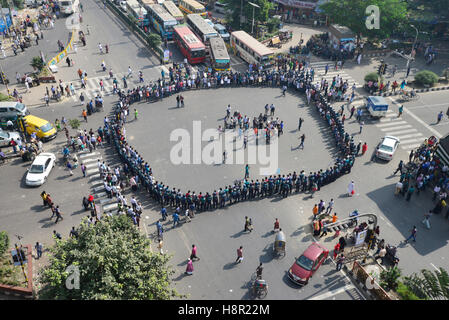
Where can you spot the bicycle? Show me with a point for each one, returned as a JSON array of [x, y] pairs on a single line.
[[409, 97]]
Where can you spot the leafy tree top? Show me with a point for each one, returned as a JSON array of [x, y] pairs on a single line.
[[352, 14], [114, 261]]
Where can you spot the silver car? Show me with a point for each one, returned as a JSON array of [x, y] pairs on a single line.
[[6, 137], [387, 147]]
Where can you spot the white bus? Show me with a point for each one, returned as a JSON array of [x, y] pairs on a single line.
[[251, 50], [201, 28], [138, 12]]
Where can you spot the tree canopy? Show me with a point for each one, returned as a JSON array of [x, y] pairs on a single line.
[[352, 14], [114, 261], [261, 15]]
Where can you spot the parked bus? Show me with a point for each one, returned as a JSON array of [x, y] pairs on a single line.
[[251, 50], [219, 55], [162, 21], [189, 44], [192, 6], [201, 28], [174, 11], [138, 12]]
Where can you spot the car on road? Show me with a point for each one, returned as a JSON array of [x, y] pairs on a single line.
[[307, 264], [209, 22], [221, 7], [40, 169], [6, 137], [123, 6], [387, 147], [224, 34]]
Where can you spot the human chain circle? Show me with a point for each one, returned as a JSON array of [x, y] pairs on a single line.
[[281, 185]]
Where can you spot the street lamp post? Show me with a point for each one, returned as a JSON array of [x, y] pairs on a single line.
[[254, 7]]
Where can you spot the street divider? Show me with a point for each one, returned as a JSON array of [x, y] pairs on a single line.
[[61, 55]]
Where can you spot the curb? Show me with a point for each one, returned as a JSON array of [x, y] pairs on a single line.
[[377, 54], [388, 94]]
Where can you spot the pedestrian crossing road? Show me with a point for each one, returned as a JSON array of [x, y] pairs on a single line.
[[104, 203], [320, 73], [93, 84]]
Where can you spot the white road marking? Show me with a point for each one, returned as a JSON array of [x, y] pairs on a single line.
[[414, 116], [410, 136], [393, 133], [333, 292], [396, 128], [382, 125], [412, 146]]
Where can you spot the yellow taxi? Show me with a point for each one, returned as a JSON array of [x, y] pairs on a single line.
[[44, 130]]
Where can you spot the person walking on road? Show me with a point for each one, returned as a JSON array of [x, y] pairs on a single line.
[[84, 113], [246, 172], [410, 191], [399, 168], [193, 254], [135, 114], [189, 268], [58, 214], [426, 220], [412, 234], [239, 255], [340, 261], [439, 117], [276, 225], [351, 190], [301, 145], [400, 110], [38, 247], [364, 148], [300, 121], [361, 126]]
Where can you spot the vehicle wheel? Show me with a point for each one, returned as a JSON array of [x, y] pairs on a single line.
[[263, 293]]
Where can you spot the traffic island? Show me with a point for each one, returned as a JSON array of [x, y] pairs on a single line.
[[11, 286]]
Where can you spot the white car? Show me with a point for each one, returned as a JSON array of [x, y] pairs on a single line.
[[6, 137], [386, 148], [40, 169], [209, 22], [123, 6]]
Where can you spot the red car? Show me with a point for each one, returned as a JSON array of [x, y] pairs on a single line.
[[308, 263]]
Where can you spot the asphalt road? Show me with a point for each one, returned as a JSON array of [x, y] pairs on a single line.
[[218, 234]]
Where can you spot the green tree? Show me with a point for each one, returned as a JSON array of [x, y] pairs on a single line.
[[37, 63], [429, 285], [114, 261], [261, 15], [389, 278], [154, 40], [351, 13], [426, 77]]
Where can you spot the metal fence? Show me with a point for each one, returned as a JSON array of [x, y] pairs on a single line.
[[375, 289]]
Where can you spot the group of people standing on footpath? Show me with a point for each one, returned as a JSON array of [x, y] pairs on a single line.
[[425, 170]]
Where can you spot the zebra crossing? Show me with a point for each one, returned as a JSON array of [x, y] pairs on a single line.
[[320, 72], [93, 84], [89, 159], [392, 125]]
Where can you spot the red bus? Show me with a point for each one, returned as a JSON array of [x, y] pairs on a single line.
[[189, 44]]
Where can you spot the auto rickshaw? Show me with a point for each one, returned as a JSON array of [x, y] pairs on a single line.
[[279, 244], [285, 35]]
